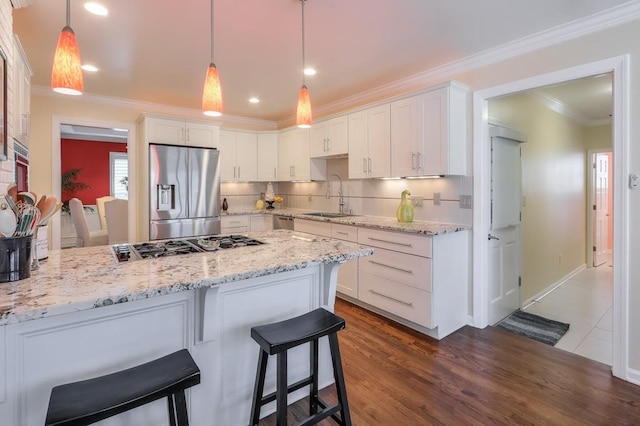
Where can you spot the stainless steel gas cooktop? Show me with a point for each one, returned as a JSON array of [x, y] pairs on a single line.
[[156, 249]]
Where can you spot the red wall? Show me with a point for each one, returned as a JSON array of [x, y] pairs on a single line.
[[93, 158]]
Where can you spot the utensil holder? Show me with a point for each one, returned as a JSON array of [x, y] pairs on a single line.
[[34, 265], [15, 255]]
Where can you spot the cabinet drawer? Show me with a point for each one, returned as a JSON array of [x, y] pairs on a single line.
[[414, 271], [234, 224], [418, 245], [234, 221], [344, 232], [401, 300], [312, 227]]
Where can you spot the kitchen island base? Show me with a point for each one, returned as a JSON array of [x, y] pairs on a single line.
[[212, 323]]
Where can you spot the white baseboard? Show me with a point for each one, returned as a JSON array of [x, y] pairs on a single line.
[[633, 376], [553, 286]]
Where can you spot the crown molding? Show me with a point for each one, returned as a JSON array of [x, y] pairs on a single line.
[[610, 18], [560, 107], [161, 109]]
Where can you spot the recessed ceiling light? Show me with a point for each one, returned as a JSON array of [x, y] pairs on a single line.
[[309, 71], [96, 8], [254, 100], [89, 68]]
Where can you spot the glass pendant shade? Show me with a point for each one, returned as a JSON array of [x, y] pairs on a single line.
[[66, 76], [212, 93], [304, 120]]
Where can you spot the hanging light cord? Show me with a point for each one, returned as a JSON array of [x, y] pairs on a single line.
[[68, 13], [211, 31], [303, 59]]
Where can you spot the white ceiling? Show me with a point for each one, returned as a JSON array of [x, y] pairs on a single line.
[[158, 50]]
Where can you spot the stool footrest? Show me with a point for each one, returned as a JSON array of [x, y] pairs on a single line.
[[327, 411], [291, 388]]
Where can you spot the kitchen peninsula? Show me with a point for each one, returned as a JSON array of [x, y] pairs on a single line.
[[82, 315]]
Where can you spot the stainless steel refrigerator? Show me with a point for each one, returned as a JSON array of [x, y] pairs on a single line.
[[184, 191]]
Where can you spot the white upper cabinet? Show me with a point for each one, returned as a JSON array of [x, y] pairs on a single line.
[[329, 138], [267, 157], [429, 133], [180, 132], [370, 143], [238, 156], [293, 155], [21, 94]]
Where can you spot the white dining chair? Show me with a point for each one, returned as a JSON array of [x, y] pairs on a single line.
[[100, 204], [84, 237], [117, 216]]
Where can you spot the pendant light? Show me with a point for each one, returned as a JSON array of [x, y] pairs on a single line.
[[212, 93], [303, 116], [66, 76]]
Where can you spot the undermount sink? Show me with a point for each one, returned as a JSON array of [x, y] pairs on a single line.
[[329, 215]]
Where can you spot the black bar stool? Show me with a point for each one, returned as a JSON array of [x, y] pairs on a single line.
[[276, 339], [88, 401]]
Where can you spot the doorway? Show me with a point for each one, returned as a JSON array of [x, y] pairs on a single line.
[[482, 169], [56, 135]]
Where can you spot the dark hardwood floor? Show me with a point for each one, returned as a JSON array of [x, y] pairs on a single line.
[[396, 376]]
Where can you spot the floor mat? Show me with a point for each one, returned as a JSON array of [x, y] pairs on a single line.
[[534, 327]]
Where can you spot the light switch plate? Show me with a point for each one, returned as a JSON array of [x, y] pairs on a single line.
[[417, 200], [466, 201], [436, 198]]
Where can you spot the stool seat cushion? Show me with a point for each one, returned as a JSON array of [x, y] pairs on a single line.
[[280, 336], [105, 396]]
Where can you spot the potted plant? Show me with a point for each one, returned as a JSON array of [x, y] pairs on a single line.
[[69, 185]]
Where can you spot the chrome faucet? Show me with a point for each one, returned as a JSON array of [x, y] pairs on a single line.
[[341, 203]]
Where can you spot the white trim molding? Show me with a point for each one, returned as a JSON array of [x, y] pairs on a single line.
[[482, 169], [56, 168]]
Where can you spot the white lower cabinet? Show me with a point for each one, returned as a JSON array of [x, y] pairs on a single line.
[[348, 273], [398, 283], [241, 223], [417, 280]]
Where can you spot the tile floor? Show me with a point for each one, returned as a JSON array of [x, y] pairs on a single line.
[[585, 302]]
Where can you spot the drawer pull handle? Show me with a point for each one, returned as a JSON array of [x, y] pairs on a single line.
[[391, 298], [391, 242], [408, 271], [342, 233]]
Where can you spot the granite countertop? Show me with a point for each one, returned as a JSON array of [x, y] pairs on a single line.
[[376, 222], [85, 278]]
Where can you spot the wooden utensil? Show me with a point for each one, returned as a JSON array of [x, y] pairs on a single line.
[[49, 208], [40, 202]]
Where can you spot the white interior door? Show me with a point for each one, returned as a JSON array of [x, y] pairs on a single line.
[[600, 208], [505, 238]]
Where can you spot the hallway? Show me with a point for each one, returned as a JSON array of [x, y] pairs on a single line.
[[585, 302]]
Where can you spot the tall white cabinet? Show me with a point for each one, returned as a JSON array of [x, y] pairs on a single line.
[[267, 157], [238, 156], [22, 94], [429, 132], [370, 143], [293, 156]]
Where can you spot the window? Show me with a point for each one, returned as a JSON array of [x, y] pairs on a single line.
[[119, 176]]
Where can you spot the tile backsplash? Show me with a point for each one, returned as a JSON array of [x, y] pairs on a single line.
[[376, 197]]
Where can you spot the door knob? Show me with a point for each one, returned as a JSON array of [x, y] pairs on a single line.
[[491, 237]]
